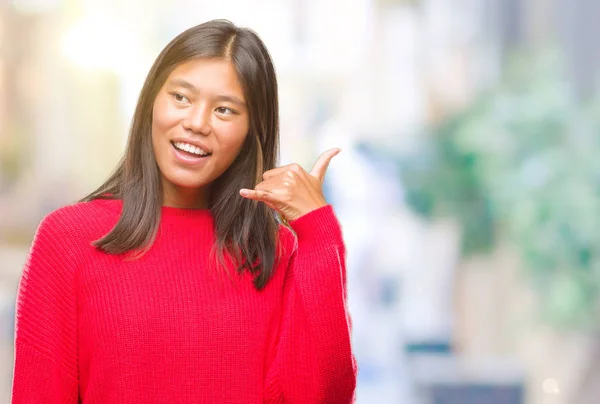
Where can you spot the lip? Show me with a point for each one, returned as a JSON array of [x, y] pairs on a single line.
[[186, 160]]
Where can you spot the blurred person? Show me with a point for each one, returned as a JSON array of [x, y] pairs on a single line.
[[174, 281]]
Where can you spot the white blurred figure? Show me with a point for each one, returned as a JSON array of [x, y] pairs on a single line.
[[365, 195]]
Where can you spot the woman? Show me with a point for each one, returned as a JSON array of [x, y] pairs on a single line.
[[173, 282]]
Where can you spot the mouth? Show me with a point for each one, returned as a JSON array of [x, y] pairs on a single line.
[[189, 155], [189, 150]]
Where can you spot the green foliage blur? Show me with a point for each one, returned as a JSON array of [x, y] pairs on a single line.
[[523, 164]]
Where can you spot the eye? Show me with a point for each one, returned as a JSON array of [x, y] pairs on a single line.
[[225, 111], [180, 97]]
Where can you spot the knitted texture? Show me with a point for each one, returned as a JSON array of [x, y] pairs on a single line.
[[171, 327]]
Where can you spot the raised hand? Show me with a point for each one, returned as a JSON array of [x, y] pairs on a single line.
[[290, 190]]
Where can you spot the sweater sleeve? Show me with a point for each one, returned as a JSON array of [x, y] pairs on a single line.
[[312, 358], [45, 366]]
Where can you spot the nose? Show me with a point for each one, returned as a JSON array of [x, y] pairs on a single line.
[[198, 120]]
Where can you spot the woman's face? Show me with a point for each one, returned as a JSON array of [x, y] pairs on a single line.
[[199, 124]]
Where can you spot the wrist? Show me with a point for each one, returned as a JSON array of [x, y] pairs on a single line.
[[306, 210], [318, 225]]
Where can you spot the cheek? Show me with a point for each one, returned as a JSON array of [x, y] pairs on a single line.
[[162, 122], [159, 129], [234, 137], [156, 138], [160, 117], [232, 147]]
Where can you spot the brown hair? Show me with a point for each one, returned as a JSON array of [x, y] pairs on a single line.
[[245, 229]]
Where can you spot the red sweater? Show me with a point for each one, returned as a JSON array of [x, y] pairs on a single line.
[[170, 328]]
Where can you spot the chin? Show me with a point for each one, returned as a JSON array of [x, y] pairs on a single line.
[[184, 181]]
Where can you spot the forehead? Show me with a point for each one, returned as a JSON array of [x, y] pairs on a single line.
[[215, 76]]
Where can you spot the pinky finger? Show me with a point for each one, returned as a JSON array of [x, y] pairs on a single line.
[[260, 196], [256, 194]]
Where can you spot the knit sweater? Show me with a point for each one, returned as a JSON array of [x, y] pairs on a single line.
[[171, 327]]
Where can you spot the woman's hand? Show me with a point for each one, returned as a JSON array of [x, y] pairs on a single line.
[[290, 190]]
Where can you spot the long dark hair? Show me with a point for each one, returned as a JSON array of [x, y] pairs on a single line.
[[245, 229]]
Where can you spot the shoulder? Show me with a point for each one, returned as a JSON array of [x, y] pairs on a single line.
[[81, 220]]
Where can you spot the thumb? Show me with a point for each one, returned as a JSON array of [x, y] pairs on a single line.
[[320, 167]]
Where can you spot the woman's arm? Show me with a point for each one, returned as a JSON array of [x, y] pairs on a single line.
[[45, 367], [313, 361]]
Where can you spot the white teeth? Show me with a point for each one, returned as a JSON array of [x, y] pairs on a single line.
[[190, 148]]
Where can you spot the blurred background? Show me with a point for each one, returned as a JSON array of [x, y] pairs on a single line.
[[467, 186]]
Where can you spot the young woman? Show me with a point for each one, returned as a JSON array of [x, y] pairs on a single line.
[[174, 282]]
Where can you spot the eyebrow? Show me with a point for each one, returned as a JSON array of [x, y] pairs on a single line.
[[230, 98], [226, 98]]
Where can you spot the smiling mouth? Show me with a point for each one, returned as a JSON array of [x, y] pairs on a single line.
[[189, 150]]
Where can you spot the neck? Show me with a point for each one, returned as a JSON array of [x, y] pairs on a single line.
[[185, 198]]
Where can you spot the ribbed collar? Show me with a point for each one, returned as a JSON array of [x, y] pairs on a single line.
[[168, 213]]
